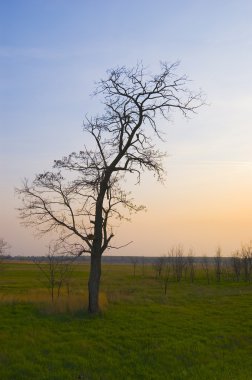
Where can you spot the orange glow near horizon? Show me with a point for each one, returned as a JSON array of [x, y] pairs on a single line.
[[200, 207]]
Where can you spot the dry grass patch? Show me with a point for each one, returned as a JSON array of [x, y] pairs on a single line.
[[65, 303]]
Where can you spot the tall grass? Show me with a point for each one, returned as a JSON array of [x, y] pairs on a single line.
[[64, 304]]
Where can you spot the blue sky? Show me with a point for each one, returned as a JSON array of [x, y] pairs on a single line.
[[52, 52]]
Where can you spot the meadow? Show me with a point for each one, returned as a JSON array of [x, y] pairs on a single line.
[[194, 331]]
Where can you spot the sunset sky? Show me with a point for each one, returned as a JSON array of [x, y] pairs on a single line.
[[52, 52]]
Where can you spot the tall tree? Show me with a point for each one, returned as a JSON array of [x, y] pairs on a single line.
[[84, 205]]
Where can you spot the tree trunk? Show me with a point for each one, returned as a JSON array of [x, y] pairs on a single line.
[[94, 283]]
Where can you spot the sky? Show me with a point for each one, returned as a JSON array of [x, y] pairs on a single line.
[[51, 54]]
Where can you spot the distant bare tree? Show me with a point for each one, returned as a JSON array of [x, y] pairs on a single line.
[[4, 247], [236, 263], [246, 256], [206, 267], [227, 269], [159, 265], [191, 265], [166, 275], [179, 262], [83, 206], [134, 261], [218, 264], [143, 265], [56, 269]]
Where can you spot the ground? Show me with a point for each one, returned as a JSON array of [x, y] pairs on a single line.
[[195, 331]]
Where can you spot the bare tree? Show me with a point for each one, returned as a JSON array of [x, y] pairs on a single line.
[[218, 264], [227, 269], [143, 265], [159, 265], [134, 261], [56, 269], [4, 247], [236, 263], [166, 274], [179, 262], [84, 206], [246, 256], [205, 267], [191, 265]]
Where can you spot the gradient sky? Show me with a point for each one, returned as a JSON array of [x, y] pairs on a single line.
[[52, 52]]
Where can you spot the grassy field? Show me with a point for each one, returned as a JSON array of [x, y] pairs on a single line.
[[195, 331]]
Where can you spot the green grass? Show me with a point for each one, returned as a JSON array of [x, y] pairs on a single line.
[[195, 331]]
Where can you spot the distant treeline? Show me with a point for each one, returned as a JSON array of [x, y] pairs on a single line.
[[116, 259]]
